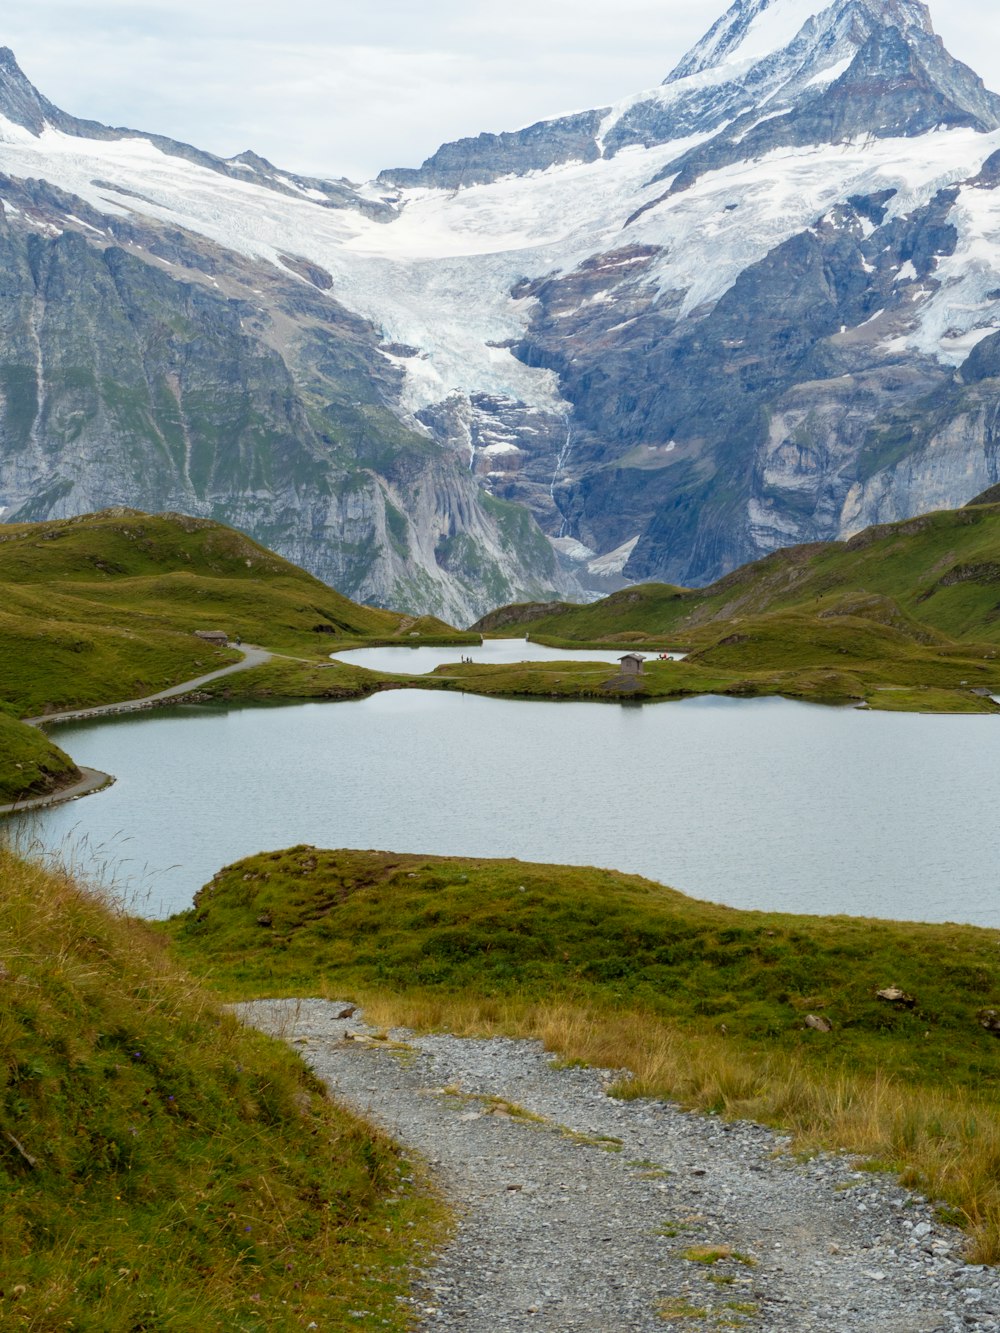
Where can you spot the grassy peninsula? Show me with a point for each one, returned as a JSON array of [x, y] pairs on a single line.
[[901, 618], [163, 1167], [30, 764], [904, 616], [105, 607], [722, 1009]]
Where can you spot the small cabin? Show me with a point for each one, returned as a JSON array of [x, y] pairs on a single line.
[[632, 664], [217, 637]]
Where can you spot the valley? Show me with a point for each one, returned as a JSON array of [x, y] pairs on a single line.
[[599, 523]]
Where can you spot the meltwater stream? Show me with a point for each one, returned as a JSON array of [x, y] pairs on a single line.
[[756, 803]]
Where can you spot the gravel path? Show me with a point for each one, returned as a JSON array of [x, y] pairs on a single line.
[[582, 1214], [91, 779], [252, 657]]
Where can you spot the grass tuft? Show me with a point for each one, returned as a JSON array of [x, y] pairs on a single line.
[[160, 1165]]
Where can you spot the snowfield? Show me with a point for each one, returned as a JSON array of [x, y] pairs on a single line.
[[439, 275]]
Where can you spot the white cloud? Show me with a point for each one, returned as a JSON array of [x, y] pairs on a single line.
[[336, 87]]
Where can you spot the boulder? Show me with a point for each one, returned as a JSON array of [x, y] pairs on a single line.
[[893, 995], [818, 1023]]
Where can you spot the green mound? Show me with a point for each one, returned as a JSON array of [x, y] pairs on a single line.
[[160, 1166], [753, 1015], [30, 765], [900, 617], [106, 607], [363, 920], [940, 571]]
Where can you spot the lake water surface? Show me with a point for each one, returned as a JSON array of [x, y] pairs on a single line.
[[419, 661], [756, 803]]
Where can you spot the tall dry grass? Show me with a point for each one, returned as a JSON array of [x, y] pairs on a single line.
[[943, 1144], [161, 1166]]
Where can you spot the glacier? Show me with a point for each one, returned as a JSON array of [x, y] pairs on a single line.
[[495, 299]]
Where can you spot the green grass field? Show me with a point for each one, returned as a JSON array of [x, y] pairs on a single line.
[[704, 1003], [30, 764], [104, 608], [903, 617], [162, 1167], [939, 572]]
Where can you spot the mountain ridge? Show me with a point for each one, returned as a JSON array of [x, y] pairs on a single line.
[[771, 74], [723, 316]]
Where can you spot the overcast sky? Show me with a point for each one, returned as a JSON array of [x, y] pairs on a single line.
[[347, 87]]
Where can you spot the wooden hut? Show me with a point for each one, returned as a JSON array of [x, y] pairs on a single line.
[[632, 664]]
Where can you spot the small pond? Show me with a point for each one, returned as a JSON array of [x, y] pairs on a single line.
[[419, 661]]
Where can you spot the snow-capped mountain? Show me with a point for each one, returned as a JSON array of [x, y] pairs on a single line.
[[756, 305]]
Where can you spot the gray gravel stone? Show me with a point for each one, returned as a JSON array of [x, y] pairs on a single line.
[[578, 1213]]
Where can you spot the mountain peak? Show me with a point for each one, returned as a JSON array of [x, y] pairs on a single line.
[[785, 55], [752, 30], [20, 101]]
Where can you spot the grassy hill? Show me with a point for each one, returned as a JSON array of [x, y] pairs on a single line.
[[30, 764], [939, 572], [105, 607], [160, 1166], [708, 1004], [905, 616]]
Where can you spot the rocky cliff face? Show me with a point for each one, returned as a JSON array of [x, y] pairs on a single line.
[[148, 370], [812, 378], [755, 306]]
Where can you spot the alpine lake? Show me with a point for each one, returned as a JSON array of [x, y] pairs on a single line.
[[755, 803]]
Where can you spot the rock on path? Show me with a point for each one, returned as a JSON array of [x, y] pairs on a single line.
[[579, 1213]]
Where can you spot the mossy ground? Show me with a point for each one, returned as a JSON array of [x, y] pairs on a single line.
[[702, 1002], [104, 608], [31, 764], [162, 1167]]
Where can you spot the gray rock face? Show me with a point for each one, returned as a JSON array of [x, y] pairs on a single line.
[[779, 416], [786, 411], [122, 384], [489, 156], [536, 362]]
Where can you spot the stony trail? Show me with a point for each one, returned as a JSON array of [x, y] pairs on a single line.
[[252, 657], [579, 1213], [92, 780]]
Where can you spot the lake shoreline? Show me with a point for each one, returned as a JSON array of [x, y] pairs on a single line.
[[767, 804]]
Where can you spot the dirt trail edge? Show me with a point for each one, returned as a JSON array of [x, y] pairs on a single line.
[[91, 779], [252, 657], [578, 1213]]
